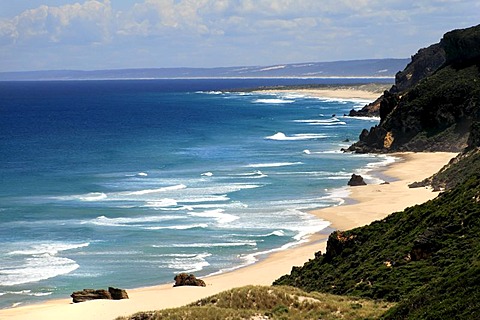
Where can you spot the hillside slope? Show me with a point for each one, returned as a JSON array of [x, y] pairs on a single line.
[[416, 257]]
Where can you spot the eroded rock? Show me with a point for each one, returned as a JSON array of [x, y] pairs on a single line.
[[356, 180], [184, 279]]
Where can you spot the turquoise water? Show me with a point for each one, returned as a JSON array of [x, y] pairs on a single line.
[[126, 183]]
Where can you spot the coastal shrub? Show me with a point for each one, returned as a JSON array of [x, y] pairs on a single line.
[[263, 302], [427, 256]]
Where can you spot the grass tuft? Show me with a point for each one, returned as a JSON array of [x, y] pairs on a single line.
[[279, 302]]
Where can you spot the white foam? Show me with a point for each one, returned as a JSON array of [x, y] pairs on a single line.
[[130, 222], [337, 196], [217, 198], [39, 262], [292, 96], [188, 263], [207, 174], [158, 190], [257, 174], [219, 215], [356, 101], [163, 203], [142, 174], [321, 122], [212, 92], [278, 233], [93, 196], [235, 204], [273, 101], [386, 160], [180, 227], [41, 294], [370, 167], [273, 164], [280, 136], [123, 195], [26, 293], [36, 269], [49, 248], [301, 237], [215, 193], [209, 245], [371, 119]]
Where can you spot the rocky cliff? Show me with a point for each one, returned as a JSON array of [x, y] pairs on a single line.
[[434, 102]]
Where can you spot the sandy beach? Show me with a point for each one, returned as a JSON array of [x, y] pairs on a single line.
[[363, 92], [371, 202]]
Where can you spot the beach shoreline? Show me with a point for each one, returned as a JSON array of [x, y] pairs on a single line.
[[368, 92], [361, 208], [370, 203]]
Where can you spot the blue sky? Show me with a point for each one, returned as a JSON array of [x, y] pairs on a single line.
[[112, 34]]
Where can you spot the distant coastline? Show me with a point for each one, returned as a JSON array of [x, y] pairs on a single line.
[[354, 69], [201, 78]]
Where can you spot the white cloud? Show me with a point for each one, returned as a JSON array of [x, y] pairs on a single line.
[[136, 33], [156, 17], [79, 23]]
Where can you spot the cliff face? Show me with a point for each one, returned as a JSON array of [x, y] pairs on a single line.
[[434, 102], [462, 46], [424, 63]]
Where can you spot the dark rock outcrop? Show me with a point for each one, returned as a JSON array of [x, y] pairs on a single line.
[[90, 294], [462, 45], [356, 180], [95, 294], [424, 63], [118, 294], [435, 110], [338, 243], [369, 110], [184, 279]]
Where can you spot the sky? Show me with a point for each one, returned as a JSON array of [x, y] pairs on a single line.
[[117, 34]]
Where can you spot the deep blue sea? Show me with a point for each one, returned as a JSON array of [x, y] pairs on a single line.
[[127, 183]]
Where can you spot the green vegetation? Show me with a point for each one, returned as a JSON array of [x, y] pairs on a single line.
[[418, 256], [463, 166], [281, 302]]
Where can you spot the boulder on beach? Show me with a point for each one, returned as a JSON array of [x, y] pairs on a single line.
[[95, 294], [90, 294], [356, 180], [184, 279], [118, 294]]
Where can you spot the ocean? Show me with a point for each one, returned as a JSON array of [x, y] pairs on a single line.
[[127, 183]]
